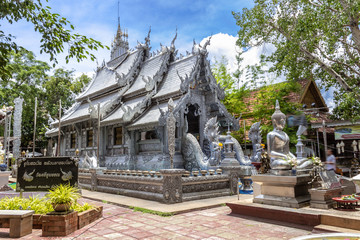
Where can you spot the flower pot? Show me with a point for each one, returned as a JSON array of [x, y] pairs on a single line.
[[61, 207]]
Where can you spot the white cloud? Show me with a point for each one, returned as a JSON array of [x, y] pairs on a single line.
[[222, 44], [225, 45]]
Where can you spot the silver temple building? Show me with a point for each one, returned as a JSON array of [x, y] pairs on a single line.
[[132, 91]]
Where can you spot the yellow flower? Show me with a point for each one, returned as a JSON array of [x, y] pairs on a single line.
[[262, 145], [220, 144]]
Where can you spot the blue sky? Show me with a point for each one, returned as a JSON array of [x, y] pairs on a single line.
[[196, 19]]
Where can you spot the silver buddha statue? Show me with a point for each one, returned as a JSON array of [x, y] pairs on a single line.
[[278, 142], [278, 145]]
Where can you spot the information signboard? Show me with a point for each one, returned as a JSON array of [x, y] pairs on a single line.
[[42, 173]]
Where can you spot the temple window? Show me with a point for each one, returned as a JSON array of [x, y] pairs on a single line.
[[73, 140], [118, 136], [151, 135], [89, 138]]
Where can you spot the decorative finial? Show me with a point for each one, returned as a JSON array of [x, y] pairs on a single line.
[[147, 39], [171, 105], [119, 13], [173, 41], [277, 105], [207, 42]]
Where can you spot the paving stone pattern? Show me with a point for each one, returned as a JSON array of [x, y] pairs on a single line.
[[215, 223]]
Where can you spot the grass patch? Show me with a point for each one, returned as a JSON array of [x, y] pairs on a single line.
[[144, 210], [223, 204], [104, 201]]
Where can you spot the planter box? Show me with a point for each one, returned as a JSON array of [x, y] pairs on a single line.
[[89, 216], [59, 225]]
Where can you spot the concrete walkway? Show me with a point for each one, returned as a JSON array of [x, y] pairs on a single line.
[[177, 208], [210, 224]]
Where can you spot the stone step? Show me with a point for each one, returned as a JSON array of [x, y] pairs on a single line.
[[343, 221], [323, 228], [205, 194], [275, 213]]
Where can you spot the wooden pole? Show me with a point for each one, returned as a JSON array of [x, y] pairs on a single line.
[[318, 143], [325, 139], [6, 140], [245, 135], [34, 135], [59, 132], [98, 135]]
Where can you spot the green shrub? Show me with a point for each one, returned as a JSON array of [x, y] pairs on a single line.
[[39, 205], [42, 205], [81, 208], [63, 194]]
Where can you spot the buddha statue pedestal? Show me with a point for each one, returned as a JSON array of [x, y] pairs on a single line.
[[284, 191], [322, 198]]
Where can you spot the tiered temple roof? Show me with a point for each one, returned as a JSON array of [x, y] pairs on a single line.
[[133, 88]]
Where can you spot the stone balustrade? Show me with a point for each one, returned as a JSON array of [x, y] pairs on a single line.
[[167, 185]]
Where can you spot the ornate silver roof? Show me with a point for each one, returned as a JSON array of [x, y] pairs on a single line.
[[177, 70], [148, 73], [151, 117], [108, 78], [129, 87]]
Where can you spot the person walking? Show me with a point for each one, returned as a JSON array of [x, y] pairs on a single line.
[[330, 163]]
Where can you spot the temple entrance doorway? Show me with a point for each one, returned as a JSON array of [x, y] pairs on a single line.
[[193, 120]]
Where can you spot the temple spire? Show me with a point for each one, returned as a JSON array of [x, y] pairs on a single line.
[[119, 13], [120, 45]]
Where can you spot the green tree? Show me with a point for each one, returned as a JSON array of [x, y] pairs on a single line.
[[220, 72], [30, 78], [26, 78], [256, 103], [62, 86], [56, 32], [312, 39]]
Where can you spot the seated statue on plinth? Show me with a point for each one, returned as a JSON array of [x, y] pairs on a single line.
[[278, 145], [278, 142]]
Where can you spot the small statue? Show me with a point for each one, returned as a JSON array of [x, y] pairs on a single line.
[[255, 137], [278, 145], [211, 132], [89, 162], [265, 163], [302, 160], [278, 142], [53, 154]]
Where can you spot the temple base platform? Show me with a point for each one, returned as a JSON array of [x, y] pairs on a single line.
[[284, 191]]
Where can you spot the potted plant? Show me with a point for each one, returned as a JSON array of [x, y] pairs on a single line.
[[63, 196]]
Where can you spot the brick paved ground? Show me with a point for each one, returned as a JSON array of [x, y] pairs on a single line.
[[216, 223]]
